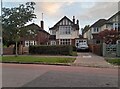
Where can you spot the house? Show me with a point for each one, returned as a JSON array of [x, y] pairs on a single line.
[[64, 32], [101, 25], [113, 22], [35, 35]]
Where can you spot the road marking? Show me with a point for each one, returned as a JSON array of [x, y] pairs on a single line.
[[87, 56]]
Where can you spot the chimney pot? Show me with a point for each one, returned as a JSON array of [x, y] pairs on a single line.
[[74, 19], [77, 22]]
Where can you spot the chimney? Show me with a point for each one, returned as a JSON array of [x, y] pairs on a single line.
[[74, 19], [42, 24], [77, 22]]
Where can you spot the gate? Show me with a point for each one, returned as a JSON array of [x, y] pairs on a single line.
[[111, 50]]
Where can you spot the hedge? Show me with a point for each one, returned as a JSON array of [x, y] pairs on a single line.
[[52, 50]]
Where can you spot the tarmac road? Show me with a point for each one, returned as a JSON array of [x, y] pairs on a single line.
[[32, 75]]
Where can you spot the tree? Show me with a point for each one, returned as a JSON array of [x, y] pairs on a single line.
[[109, 36], [86, 28], [14, 19]]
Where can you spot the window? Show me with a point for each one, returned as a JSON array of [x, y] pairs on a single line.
[[65, 42], [96, 29], [97, 41], [28, 43], [65, 30], [53, 42], [115, 26]]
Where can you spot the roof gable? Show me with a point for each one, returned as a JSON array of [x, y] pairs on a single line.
[[68, 21], [64, 18]]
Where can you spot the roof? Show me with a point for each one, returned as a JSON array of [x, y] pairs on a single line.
[[99, 23], [35, 26], [118, 13], [65, 17]]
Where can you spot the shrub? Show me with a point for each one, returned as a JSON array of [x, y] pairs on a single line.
[[52, 50]]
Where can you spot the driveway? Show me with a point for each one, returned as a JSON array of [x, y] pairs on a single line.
[[91, 60]]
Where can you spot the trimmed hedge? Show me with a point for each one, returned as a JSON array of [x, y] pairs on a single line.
[[51, 50]]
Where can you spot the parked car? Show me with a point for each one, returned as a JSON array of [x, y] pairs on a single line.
[[82, 45]]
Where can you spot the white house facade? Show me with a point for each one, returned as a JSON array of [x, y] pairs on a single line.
[[64, 32]]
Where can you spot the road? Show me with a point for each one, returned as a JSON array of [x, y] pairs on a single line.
[[31, 75]]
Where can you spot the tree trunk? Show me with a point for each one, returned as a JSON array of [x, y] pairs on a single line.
[[16, 50]]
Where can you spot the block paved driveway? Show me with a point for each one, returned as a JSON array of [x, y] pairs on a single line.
[[91, 60], [32, 75]]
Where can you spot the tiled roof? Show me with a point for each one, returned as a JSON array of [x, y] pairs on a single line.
[[99, 23]]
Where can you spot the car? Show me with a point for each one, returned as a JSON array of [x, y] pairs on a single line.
[[82, 45]]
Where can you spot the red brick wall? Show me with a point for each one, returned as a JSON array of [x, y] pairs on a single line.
[[42, 38], [8, 51]]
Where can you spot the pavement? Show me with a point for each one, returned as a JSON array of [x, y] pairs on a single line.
[[91, 60], [33, 75]]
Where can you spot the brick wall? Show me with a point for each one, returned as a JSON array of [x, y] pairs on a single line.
[[8, 51]]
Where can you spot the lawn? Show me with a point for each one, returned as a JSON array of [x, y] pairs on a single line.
[[33, 59], [114, 61]]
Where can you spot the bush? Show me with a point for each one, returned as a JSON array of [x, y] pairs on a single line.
[[74, 48], [52, 50]]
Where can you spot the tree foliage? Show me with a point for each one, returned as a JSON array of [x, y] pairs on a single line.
[[86, 28], [109, 36], [13, 19]]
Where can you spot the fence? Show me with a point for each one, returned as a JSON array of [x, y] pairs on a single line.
[[11, 50], [96, 49], [111, 50]]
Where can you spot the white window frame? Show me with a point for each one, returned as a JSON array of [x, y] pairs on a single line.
[[65, 30], [26, 43], [53, 42], [31, 42], [65, 42]]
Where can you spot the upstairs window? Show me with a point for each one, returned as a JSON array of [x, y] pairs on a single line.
[[96, 30], [65, 30]]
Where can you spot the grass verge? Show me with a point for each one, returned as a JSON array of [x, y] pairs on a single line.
[[32, 59], [114, 61]]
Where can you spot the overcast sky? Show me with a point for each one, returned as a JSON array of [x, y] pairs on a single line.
[[86, 12]]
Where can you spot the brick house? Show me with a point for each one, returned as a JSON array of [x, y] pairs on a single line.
[[64, 32], [38, 36]]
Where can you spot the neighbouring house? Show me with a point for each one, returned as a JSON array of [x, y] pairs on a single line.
[[95, 29], [112, 23], [35, 35], [101, 25], [64, 32]]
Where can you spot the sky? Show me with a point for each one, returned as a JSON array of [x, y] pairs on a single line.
[[86, 11]]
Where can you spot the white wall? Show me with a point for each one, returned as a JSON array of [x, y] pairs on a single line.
[[73, 35]]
